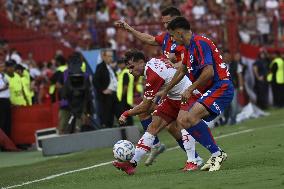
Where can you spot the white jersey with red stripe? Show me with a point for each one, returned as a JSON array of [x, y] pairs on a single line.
[[158, 75]]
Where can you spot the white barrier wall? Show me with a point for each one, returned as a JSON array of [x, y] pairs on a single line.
[[88, 140]]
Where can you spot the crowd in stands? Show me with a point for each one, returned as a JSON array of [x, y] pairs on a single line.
[[80, 24], [88, 24]]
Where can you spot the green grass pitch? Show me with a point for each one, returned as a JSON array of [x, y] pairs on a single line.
[[255, 151]]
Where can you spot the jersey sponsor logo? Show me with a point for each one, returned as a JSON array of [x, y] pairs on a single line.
[[148, 84], [217, 107], [206, 94], [191, 59]]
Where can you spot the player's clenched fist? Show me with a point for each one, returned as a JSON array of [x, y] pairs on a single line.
[[160, 96], [186, 95], [123, 118], [122, 24]]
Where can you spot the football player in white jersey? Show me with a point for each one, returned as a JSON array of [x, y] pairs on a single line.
[[157, 74], [174, 54]]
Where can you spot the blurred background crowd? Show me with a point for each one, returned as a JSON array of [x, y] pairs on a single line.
[[82, 25], [87, 24]]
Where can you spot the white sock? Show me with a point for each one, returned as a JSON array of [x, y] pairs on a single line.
[[189, 145], [144, 145], [215, 154]]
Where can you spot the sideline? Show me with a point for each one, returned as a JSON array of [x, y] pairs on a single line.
[[109, 162]]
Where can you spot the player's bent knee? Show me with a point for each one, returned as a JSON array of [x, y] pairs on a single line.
[[182, 120], [192, 119]]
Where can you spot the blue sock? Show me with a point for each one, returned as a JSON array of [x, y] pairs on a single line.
[[196, 155], [180, 143], [145, 123], [201, 134]]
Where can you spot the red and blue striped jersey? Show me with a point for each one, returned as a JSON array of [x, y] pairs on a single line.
[[202, 52], [169, 46]]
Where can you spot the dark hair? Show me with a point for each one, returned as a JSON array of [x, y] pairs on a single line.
[[10, 63], [19, 67], [134, 55], [105, 50], [179, 23], [171, 11], [60, 59], [121, 61]]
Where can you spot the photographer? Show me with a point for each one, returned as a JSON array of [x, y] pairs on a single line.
[[75, 97]]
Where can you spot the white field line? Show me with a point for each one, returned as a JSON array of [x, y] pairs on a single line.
[[109, 162], [221, 136]]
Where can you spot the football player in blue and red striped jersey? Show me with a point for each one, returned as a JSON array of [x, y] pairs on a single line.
[[209, 74]]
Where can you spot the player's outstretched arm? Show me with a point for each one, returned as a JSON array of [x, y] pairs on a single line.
[[146, 38], [143, 107], [180, 73]]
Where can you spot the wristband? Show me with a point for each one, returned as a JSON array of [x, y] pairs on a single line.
[[125, 114]]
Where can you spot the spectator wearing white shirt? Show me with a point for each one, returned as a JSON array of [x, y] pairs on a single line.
[[102, 14], [263, 25], [43, 2], [272, 6], [5, 105], [60, 13], [199, 10]]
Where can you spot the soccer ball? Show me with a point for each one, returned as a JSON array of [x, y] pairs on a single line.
[[123, 150]]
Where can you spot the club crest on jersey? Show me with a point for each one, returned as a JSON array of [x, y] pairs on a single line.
[[173, 46], [191, 58]]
